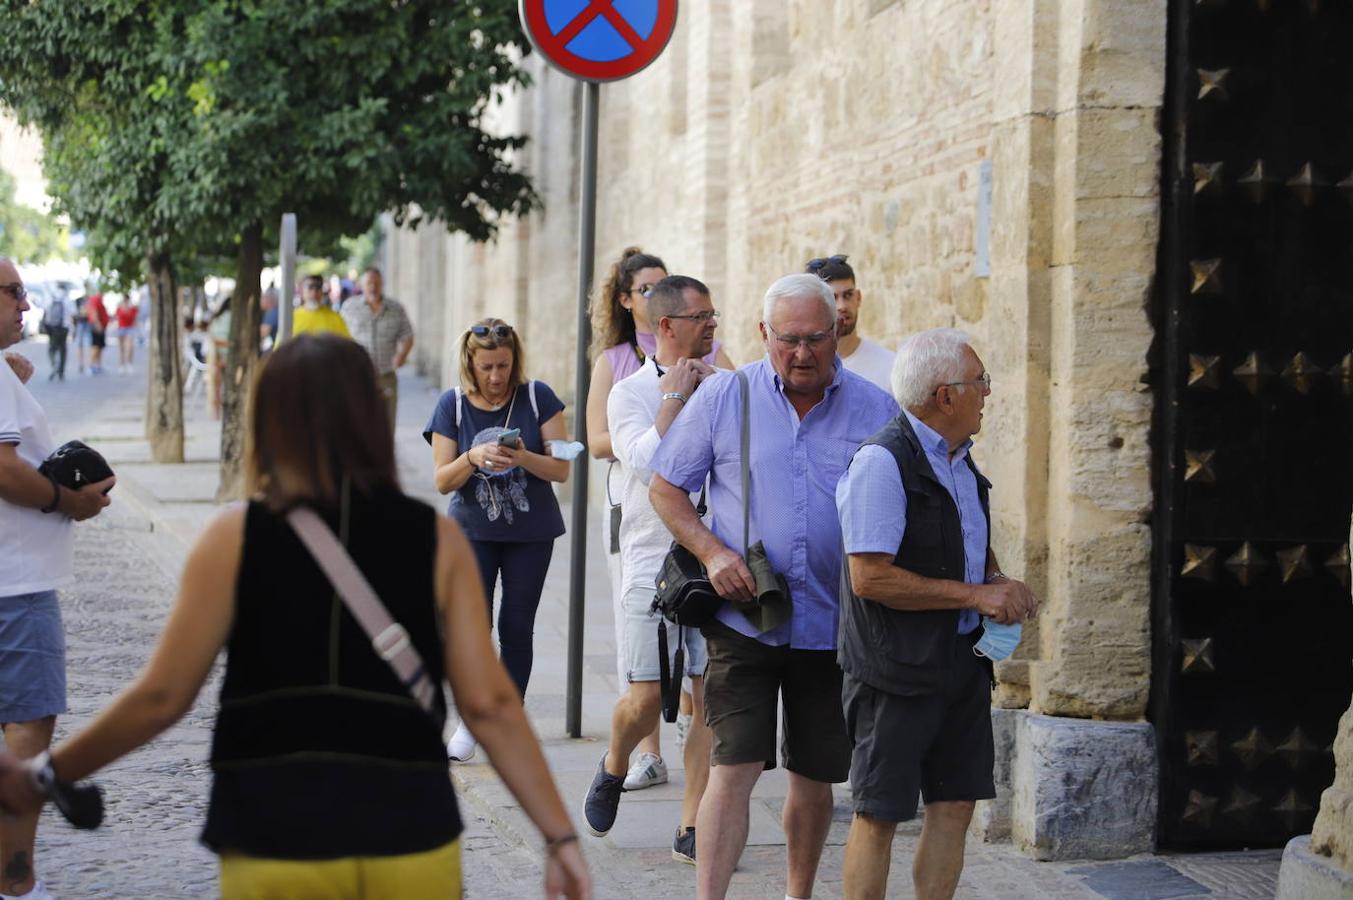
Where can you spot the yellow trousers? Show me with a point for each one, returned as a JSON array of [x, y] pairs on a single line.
[[433, 875]]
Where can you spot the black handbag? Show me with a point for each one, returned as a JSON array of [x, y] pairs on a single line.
[[75, 464]]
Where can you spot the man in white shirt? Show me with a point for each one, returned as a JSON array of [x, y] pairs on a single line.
[[858, 354], [35, 559], [640, 409]]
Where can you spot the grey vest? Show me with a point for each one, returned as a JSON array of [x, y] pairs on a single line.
[[908, 652]]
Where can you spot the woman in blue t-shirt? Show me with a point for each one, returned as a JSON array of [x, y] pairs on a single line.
[[489, 440]]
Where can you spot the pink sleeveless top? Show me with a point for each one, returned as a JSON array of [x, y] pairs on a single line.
[[625, 362]]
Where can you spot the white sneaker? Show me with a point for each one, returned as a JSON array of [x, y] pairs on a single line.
[[648, 770], [462, 744], [38, 892]]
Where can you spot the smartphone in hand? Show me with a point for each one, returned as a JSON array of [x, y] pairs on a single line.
[[510, 438]]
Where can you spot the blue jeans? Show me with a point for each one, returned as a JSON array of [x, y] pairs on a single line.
[[523, 566], [32, 657]]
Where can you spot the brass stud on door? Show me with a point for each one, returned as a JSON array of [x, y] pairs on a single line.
[[1198, 657], [1206, 276], [1304, 183], [1198, 466], [1252, 750], [1297, 748], [1337, 565], [1293, 810], [1252, 373], [1247, 564], [1205, 371], [1255, 182], [1207, 177], [1342, 374], [1199, 562], [1301, 373], [1212, 83], [1200, 748], [1295, 563], [1199, 810], [1241, 805]]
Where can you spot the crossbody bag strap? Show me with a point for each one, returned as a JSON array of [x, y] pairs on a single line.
[[746, 463], [388, 638]]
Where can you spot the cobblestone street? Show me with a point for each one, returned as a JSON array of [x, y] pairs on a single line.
[[127, 562]]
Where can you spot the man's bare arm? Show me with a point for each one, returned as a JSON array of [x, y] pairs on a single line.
[[873, 575], [726, 569]]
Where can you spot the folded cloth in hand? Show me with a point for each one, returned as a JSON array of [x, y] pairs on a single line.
[[771, 607]]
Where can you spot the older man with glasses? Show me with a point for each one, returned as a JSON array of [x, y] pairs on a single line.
[[807, 416], [921, 575], [35, 559]]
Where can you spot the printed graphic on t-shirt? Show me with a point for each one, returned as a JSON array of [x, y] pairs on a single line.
[[499, 493]]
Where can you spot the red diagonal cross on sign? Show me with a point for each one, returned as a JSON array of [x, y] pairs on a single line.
[[554, 45], [605, 9]]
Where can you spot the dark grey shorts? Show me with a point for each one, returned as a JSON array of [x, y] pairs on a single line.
[[938, 745], [32, 657], [746, 680]]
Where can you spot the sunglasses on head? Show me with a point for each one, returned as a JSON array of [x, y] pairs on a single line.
[[816, 264], [498, 331]]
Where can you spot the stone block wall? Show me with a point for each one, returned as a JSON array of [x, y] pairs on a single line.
[[773, 131]]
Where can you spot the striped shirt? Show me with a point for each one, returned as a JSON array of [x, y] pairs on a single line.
[[381, 333], [795, 467]]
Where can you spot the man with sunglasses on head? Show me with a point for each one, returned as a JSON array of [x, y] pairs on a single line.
[[314, 315], [35, 559], [380, 324], [807, 416], [920, 577], [859, 354]]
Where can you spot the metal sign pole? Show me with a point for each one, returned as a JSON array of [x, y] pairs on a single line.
[[286, 290], [587, 233]]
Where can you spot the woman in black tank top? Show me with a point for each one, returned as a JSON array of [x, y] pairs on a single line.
[[325, 769]]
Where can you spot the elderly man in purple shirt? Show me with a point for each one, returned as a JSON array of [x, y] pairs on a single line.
[[808, 415]]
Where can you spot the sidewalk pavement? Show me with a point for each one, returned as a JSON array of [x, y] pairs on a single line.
[[165, 507]]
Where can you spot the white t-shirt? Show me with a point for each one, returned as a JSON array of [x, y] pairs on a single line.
[[631, 410], [35, 548], [873, 361]]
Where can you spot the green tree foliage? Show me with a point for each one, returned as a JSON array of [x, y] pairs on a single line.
[[188, 128], [26, 234]]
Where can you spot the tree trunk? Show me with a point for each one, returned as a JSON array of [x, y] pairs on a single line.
[[164, 399], [241, 361]]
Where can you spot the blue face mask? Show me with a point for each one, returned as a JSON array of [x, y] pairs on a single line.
[[998, 641]]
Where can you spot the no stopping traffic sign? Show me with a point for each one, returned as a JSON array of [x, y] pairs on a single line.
[[599, 40]]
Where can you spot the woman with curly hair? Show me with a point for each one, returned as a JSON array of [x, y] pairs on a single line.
[[622, 340]]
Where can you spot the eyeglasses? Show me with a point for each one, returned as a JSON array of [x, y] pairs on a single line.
[[19, 291], [314, 285], [815, 264], [646, 291], [984, 380], [499, 331], [792, 341], [701, 317]]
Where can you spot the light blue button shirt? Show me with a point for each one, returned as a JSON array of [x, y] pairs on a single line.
[[873, 505], [795, 467]]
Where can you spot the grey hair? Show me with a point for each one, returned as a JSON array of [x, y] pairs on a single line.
[[800, 287], [925, 361]]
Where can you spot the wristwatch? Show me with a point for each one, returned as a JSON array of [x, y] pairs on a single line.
[[674, 395]]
